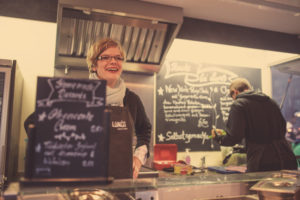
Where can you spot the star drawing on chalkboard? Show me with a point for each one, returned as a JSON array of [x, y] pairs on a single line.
[[161, 137], [38, 148], [160, 91], [42, 116]]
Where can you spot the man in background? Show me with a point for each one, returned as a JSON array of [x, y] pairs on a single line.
[[257, 118]]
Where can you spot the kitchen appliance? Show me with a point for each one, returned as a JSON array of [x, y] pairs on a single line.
[[11, 82], [145, 30]]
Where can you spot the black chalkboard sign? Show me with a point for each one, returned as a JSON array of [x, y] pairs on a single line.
[[192, 98], [70, 139]]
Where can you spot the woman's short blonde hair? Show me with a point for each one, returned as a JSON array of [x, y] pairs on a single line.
[[98, 48]]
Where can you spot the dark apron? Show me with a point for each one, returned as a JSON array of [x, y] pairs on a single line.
[[120, 144]]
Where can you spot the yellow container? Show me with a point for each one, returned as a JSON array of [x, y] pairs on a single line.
[[183, 169]]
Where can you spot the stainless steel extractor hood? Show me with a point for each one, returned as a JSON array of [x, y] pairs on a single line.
[[145, 30]]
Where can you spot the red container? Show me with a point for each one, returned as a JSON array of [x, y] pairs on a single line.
[[165, 155]]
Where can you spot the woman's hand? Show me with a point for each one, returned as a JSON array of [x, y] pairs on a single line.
[[136, 166]]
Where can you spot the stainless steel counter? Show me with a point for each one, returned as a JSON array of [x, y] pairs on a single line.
[[198, 186]]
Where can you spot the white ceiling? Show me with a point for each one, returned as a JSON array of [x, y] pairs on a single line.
[[274, 15]]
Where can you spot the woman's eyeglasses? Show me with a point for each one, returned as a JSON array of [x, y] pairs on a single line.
[[109, 58]]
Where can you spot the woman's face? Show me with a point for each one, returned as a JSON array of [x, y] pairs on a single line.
[[109, 65]]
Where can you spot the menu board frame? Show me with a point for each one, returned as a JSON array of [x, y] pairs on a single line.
[[70, 139]]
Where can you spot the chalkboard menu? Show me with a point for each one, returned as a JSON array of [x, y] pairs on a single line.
[[70, 138], [192, 98]]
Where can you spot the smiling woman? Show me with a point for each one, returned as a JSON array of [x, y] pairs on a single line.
[[105, 60]]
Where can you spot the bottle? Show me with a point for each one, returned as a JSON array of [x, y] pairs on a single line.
[[202, 164], [187, 156]]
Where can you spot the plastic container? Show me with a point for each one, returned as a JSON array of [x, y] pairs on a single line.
[[187, 158]]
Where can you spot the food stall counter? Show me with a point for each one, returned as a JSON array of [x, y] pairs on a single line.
[[198, 186]]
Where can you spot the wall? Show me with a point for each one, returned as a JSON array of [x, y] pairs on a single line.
[[32, 44]]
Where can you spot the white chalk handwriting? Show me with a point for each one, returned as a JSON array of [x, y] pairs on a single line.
[[56, 161], [57, 113], [68, 137], [59, 153], [173, 136], [196, 96], [72, 91], [192, 95]]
